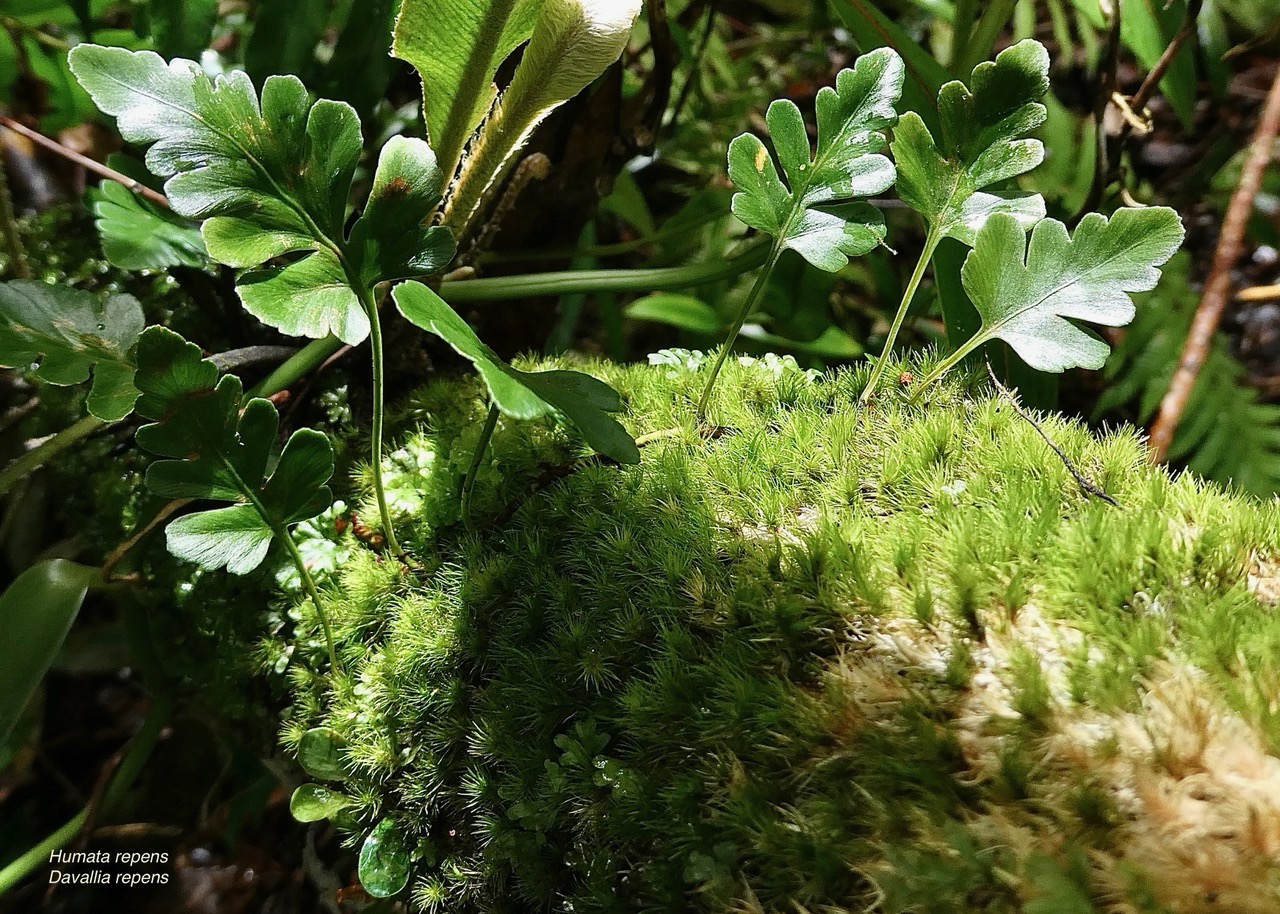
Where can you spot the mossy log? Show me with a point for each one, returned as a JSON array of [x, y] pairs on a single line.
[[825, 658]]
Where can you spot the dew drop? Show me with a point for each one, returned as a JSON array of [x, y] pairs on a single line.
[[35, 366], [102, 327]]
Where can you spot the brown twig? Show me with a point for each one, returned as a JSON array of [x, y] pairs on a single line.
[[84, 161], [1185, 31], [1217, 289], [1087, 485], [123, 549], [1110, 146]]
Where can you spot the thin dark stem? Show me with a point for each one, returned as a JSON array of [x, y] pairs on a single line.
[[1148, 87], [1088, 486], [482, 446]]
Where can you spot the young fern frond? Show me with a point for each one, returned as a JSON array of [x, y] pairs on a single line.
[[216, 446], [270, 176], [815, 212], [984, 142], [1027, 294]]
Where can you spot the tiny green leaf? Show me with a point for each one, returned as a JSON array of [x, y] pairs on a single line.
[[36, 612], [315, 802], [582, 399], [1027, 296], [683, 311], [384, 861], [63, 334], [220, 448], [137, 235], [984, 141], [320, 754], [807, 216], [390, 241]]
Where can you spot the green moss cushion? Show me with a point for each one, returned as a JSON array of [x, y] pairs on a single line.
[[823, 658]]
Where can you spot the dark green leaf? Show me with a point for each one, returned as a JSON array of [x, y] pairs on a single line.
[[181, 28], [285, 35], [456, 46], [582, 399], [220, 448], [138, 235], [63, 334], [36, 612], [806, 215], [315, 803], [320, 754], [984, 142], [1027, 296], [384, 861]]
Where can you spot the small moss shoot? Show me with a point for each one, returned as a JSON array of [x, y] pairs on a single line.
[[835, 657]]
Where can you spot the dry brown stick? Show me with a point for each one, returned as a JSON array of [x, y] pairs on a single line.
[[1217, 289], [83, 160]]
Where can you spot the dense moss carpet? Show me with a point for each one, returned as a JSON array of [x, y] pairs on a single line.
[[824, 658]]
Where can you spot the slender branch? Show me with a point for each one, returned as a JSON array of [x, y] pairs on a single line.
[[567, 282], [47, 450], [379, 381], [309, 585], [469, 483], [91, 164], [1088, 486], [297, 366], [930, 245], [9, 224], [41, 36], [1217, 289], [118, 553], [741, 319], [1148, 87]]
